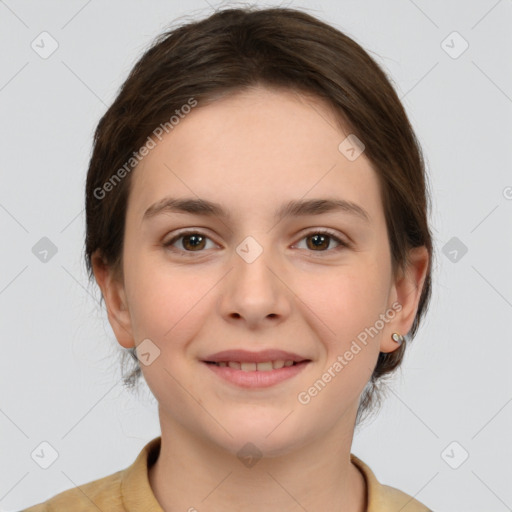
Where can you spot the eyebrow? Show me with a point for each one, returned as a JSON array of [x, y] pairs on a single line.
[[207, 208]]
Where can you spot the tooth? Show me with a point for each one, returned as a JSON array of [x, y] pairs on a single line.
[[250, 367], [264, 367]]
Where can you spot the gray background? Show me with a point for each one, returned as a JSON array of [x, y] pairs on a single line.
[[59, 371]]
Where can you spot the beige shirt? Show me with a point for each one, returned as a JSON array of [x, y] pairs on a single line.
[[128, 490]]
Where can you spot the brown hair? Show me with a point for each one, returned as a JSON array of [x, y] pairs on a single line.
[[277, 47]]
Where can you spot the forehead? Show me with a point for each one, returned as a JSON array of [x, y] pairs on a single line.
[[253, 148]]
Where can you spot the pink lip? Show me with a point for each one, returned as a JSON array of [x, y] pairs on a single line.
[[257, 379], [246, 356]]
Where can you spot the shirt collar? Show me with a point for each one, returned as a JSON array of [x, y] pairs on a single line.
[[135, 489], [138, 495]]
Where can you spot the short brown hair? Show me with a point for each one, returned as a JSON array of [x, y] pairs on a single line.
[[234, 49]]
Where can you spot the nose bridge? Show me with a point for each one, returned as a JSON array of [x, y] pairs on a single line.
[[251, 261], [255, 291]]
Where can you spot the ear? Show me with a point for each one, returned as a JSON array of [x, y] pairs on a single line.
[[406, 291], [112, 289]]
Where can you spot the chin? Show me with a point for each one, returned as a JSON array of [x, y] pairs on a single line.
[[262, 437]]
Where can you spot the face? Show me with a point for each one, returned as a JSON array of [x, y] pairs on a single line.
[[307, 282]]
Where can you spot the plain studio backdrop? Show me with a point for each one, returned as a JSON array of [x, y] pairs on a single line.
[[443, 434]]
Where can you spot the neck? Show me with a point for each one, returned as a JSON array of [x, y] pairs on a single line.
[[192, 475]]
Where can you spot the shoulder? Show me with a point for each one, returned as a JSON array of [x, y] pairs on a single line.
[[127, 489], [384, 498], [392, 497], [103, 494]]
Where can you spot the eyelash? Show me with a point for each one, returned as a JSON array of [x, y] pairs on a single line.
[[342, 244]]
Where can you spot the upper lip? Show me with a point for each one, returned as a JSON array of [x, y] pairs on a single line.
[[254, 357]]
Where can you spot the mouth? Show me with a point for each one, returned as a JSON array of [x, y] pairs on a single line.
[[253, 370], [248, 369]]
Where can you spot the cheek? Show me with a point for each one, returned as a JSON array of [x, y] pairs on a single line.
[[341, 306], [168, 310], [347, 298], [162, 298]]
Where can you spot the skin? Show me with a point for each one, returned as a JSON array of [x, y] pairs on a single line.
[[252, 152]]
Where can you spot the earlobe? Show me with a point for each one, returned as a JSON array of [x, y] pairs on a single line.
[[407, 290], [116, 304]]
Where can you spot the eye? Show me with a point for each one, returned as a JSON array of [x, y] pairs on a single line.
[[193, 241], [320, 240]]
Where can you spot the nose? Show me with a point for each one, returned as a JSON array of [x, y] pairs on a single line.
[[255, 292]]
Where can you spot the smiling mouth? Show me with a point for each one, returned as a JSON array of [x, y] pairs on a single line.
[[266, 366]]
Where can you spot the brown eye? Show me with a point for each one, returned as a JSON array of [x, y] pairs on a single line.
[[195, 242], [191, 241], [319, 241]]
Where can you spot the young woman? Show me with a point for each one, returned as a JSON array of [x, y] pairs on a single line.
[[257, 221]]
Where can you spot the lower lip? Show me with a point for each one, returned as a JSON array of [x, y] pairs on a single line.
[[257, 379]]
